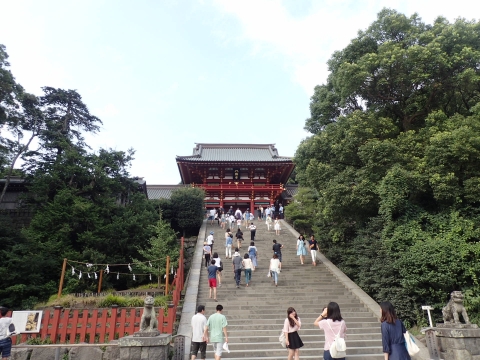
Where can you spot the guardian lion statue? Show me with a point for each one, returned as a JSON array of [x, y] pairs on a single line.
[[455, 307], [149, 320]]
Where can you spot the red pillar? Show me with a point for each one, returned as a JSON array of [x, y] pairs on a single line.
[[252, 203]]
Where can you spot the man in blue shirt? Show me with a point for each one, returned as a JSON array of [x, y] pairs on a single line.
[[212, 279]]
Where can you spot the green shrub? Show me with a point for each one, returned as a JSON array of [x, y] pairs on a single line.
[[110, 300]]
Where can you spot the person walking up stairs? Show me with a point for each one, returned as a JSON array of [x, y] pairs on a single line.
[[256, 313]]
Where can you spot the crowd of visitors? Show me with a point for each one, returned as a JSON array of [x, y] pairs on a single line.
[[329, 321]]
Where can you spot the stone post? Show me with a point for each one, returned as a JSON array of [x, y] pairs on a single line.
[[458, 341], [145, 347]]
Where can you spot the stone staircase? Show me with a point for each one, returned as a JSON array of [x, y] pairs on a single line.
[[256, 314]]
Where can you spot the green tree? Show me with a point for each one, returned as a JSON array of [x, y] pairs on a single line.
[[394, 158], [188, 208], [301, 211], [164, 243], [402, 69]]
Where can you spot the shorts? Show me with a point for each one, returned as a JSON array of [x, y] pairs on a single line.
[[196, 346], [210, 218], [212, 282], [218, 348], [5, 347]]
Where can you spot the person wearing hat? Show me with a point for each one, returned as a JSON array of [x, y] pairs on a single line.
[[210, 241], [207, 252]]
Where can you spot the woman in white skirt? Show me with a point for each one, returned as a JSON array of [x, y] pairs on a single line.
[[268, 222], [277, 226]]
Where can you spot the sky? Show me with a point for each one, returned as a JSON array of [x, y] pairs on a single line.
[[163, 75]]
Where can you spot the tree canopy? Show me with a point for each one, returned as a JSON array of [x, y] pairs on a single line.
[[84, 205], [394, 159]]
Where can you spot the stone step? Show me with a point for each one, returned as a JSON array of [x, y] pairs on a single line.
[[303, 356], [258, 310], [256, 313], [309, 343], [274, 326], [305, 320], [353, 333], [210, 303], [275, 350]]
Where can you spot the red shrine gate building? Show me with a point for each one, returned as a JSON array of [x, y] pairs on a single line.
[[238, 175]]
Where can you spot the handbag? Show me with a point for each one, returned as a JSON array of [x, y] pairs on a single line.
[[282, 339], [338, 349], [412, 348]]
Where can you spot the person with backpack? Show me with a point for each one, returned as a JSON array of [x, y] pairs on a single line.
[[252, 253], [239, 236], [207, 253], [253, 230], [277, 249], [238, 214], [333, 325]]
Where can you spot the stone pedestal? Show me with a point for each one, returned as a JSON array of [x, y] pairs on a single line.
[[458, 341], [143, 348]]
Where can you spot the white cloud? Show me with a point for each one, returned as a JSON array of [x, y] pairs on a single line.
[[308, 42]]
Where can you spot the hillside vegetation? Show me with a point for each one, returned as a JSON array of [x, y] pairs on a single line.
[[391, 173]]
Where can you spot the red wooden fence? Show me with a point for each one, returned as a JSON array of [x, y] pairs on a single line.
[[70, 326]]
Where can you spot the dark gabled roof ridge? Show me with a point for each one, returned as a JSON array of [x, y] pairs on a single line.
[[229, 145]]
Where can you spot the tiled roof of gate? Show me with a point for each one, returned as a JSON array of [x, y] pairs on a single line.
[[235, 152], [155, 192]]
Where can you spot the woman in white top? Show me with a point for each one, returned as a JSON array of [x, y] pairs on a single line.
[[218, 264], [248, 266], [275, 267], [331, 322], [277, 226], [268, 222], [228, 244], [290, 327]]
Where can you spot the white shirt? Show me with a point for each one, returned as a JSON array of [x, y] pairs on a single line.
[[238, 212], [274, 264], [210, 239], [252, 227], [199, 321], [4, 324], [212, 212]]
